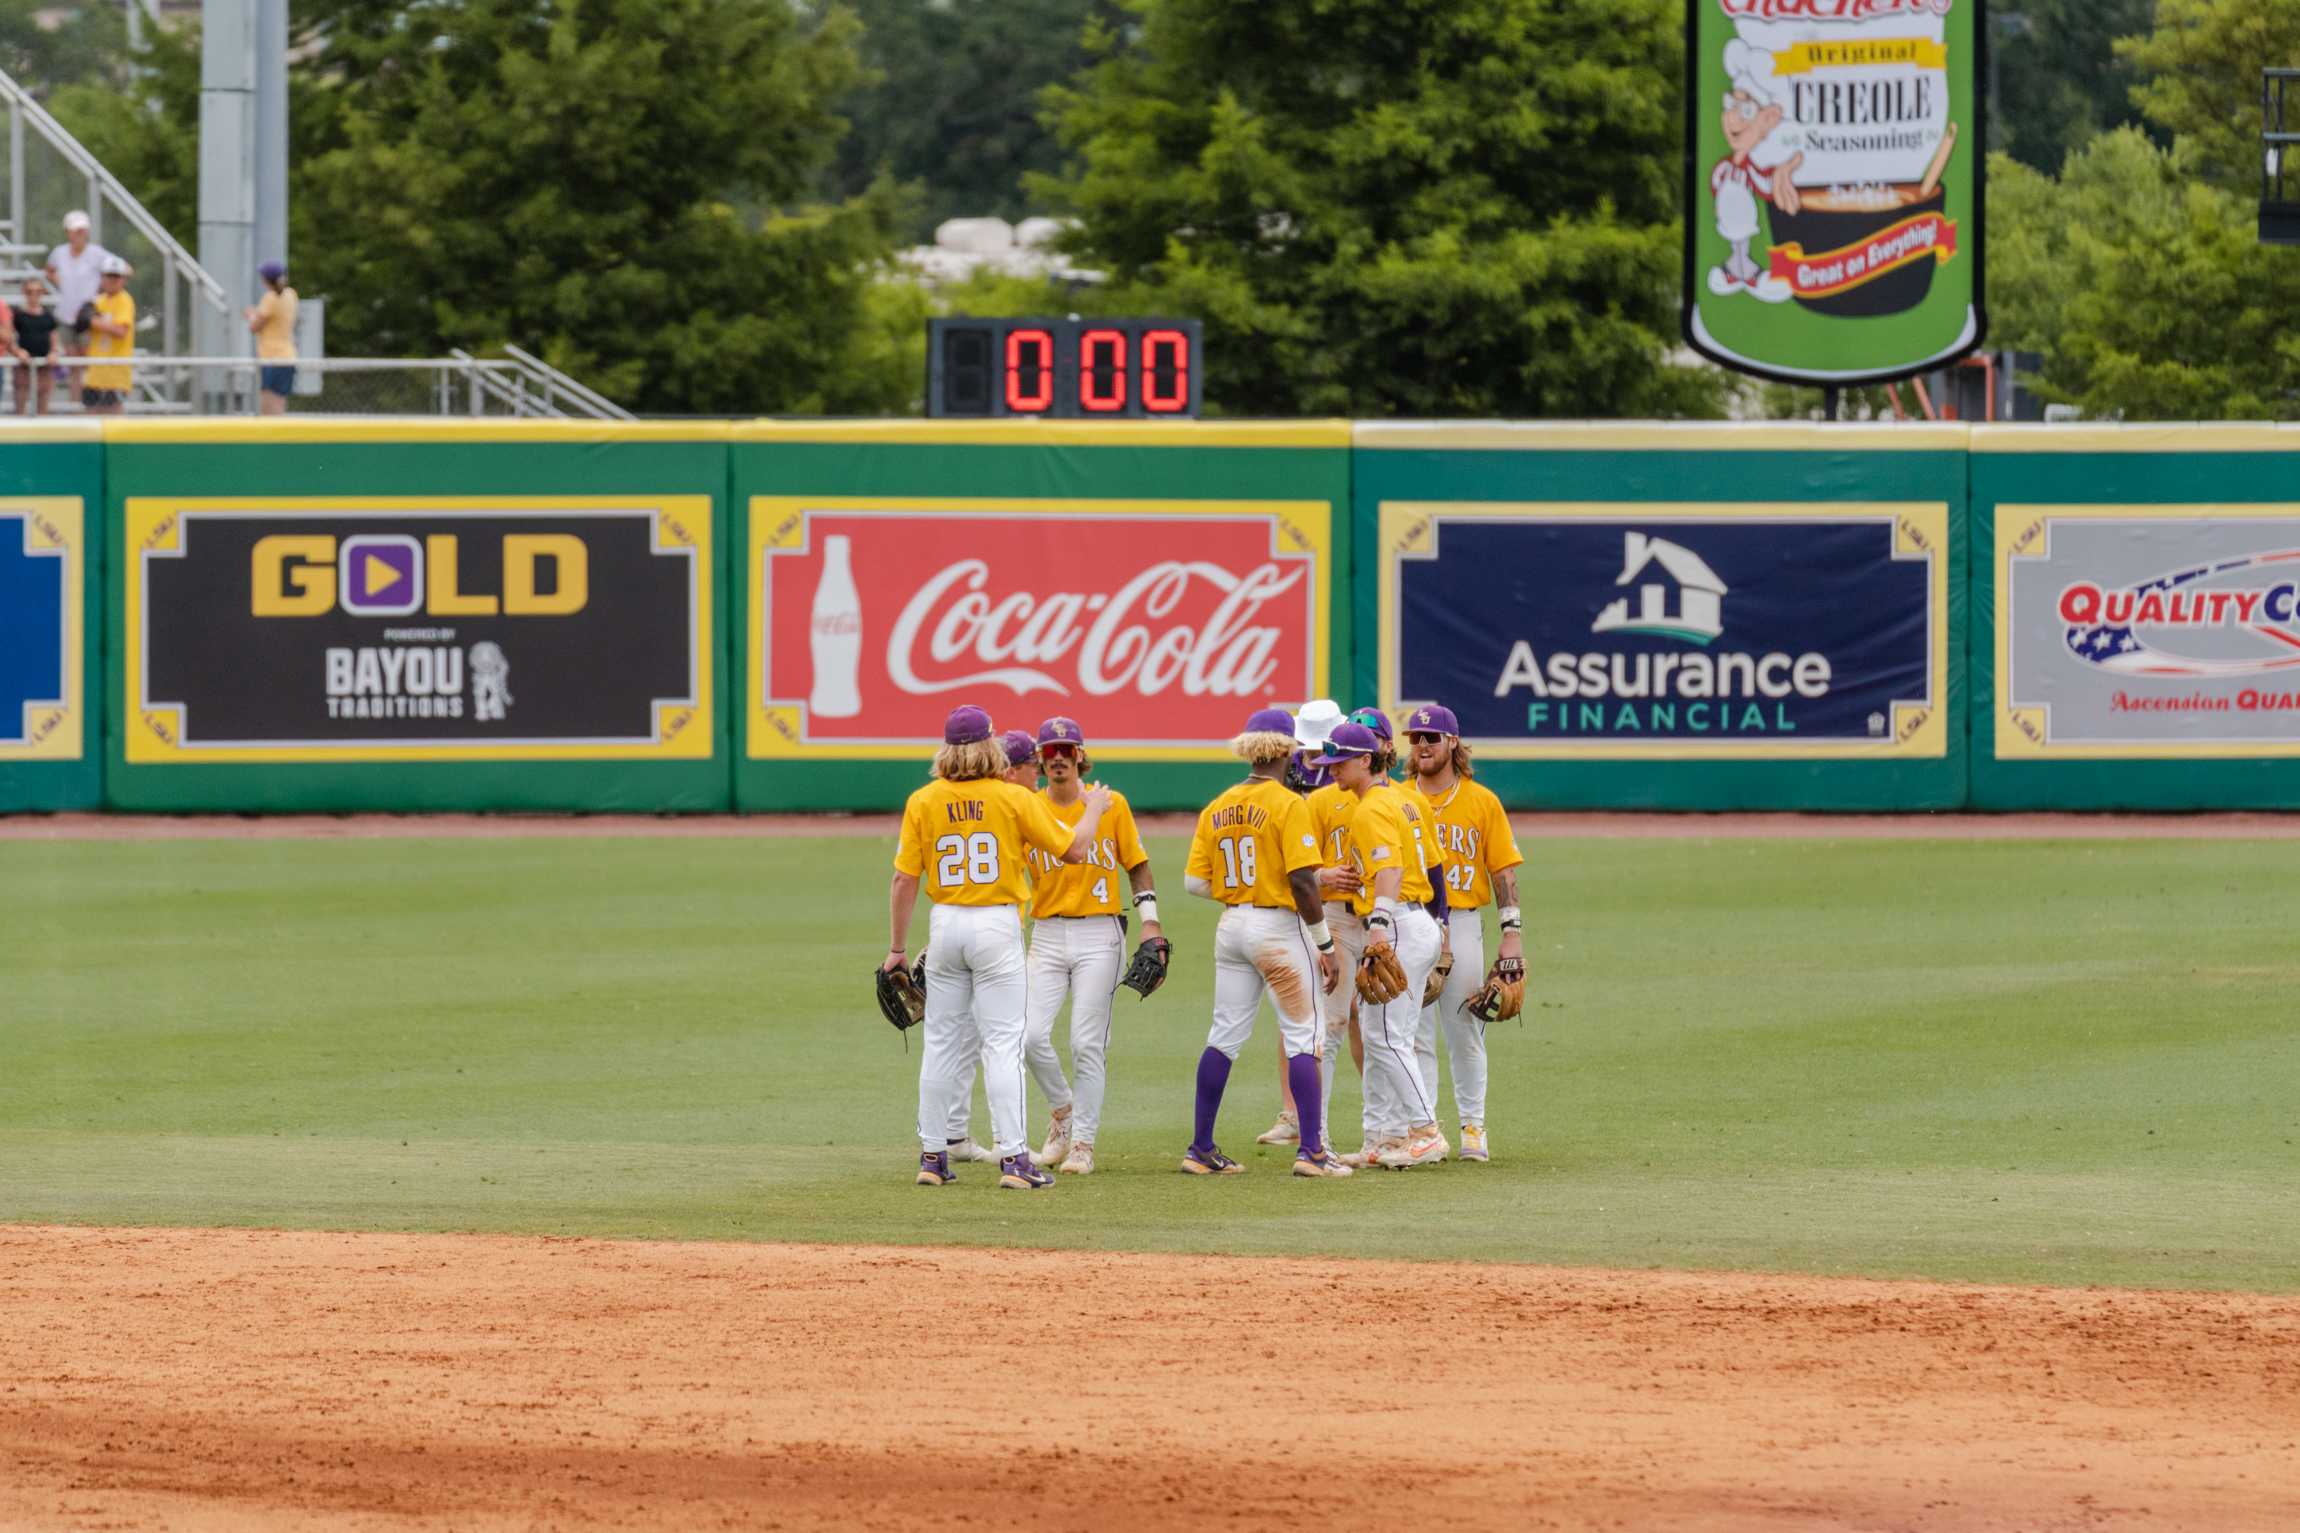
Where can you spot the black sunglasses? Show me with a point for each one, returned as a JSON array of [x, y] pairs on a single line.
[[1425, 737]]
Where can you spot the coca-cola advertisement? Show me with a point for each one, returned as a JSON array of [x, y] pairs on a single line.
[[1159, 626]]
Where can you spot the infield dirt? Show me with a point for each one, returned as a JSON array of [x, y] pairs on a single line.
[[264, 1380]]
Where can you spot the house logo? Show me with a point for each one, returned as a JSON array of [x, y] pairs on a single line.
[[1657, 567]]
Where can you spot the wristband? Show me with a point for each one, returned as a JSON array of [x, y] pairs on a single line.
[[1323, 936], [1146, 905], [1386, 905], [1510, 919]]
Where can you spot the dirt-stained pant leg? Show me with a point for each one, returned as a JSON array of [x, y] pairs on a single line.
[[1258, 950], [1395, 1100]]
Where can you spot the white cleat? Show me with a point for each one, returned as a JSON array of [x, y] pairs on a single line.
[[1079, 1162], [1376, 1153], [1057, 1146], [967, 1149], [1473, 1142], [1287, 1130], [1430, 1148]]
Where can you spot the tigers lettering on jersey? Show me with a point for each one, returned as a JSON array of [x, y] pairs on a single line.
[[1474, 835], [1098, 886], [1249, 842], [1330, 810], [968, 842]]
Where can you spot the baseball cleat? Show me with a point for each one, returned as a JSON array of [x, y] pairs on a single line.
[[1428, 1147], [1287, 1130], [1017, 1172], [1473, 1142], [1057, 1143], [934, 1170], [967, 1149], [1397, 1154], [1324, 1163], [1080, 1160], [1209, 1162], [1369, 1155]]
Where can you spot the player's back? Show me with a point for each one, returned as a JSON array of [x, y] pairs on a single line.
[[1249, 838], [966, 840]]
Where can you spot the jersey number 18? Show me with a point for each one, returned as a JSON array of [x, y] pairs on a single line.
[[1238, 861]]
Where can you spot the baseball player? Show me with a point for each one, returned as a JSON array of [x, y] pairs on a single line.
[[1481, 861], [1256, 853], [1022, 771], [1389, 846], [1312, 724], [1078, 947], [963, 838]]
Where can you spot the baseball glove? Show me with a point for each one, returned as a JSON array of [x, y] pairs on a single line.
[[1434, 986], [902, 995], [1381, 978], [1148, 970], [1503, 994]]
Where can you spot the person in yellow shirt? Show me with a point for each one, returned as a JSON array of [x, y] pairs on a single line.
[[273, 321], [1022, 771], [1078, 947], [1481, 862], [111, 333], [964, 840], [1389, 845], [1256, 853]]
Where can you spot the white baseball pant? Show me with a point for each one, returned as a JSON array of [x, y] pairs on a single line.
[[974, 1001], [1349, 935], [1395, 1100], [1464, 1034], [1258, 950], [1078, 958]]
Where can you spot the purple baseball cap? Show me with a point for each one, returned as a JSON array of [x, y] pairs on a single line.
[[1373, 719], [1058, 729], [1019, 746], [271, 271], [965, 726], [1270, 721], [1347, 740], [1431, 716]]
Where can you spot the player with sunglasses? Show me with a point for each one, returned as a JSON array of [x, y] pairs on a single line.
[[1481, 862]]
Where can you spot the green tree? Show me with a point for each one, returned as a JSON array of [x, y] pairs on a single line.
[[952, 104], [1378, 207], [2055, 78], [2202, 62], [2144, 285], [43, 46], [150, 138]]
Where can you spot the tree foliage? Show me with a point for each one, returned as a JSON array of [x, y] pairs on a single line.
[[2202, 62], [1428, 207], [952, 105], [45, 46], [2057, 80]]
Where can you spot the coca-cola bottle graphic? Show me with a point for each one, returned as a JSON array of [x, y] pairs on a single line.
[[835, 635]]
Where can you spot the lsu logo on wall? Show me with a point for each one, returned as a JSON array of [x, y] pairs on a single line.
[[1660, 631], [408, 630], [1165, 621], [41, 578]]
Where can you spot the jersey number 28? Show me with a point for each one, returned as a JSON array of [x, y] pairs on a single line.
[[967, 859]]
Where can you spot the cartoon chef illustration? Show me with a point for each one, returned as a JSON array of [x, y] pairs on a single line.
[[1752, 113]]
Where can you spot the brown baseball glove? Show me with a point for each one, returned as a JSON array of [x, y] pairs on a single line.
[[1381, 978], [902, 995], [1503, 994], [1434, 986]]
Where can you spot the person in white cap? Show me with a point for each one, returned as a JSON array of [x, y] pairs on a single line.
[[111, 334], [1312, 725], [1736, 182], [75, 276]]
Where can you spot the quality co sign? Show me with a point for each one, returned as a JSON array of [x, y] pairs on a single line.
[[1157, 624]]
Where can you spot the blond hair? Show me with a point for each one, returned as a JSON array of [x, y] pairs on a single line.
[[1461, 758], [1259, 746], [965, 763]]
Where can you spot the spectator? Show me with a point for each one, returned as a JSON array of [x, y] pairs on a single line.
[[111, 333], [35, 326], [75, 276], [273, 321]]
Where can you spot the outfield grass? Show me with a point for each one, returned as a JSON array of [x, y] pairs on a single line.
[[2065, 1062]]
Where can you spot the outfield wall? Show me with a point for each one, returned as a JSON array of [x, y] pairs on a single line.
[[325, 615]]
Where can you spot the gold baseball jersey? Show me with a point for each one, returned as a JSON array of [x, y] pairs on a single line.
[[967, 841], [1389, 830], [1097, 886], [1250, 840], [1330, 809], [1473, 836]]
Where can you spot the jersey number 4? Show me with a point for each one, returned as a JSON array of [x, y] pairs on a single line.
[[1238, 861], [967, 859]]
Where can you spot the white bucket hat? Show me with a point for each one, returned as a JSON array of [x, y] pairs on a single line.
[[1316, 720]]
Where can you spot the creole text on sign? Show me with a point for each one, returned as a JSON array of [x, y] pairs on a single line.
[[1158, 625], [2147, 631], [1669, 631], [392, 630]]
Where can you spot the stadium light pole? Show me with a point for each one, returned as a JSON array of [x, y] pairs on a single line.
[[243, 163]]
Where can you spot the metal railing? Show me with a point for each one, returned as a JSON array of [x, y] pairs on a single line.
[[2279, 175], [460, 384]]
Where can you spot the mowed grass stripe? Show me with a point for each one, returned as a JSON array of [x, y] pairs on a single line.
[[2030, 1061]]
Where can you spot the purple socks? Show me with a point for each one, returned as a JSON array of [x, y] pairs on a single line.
[[1213, 1077], [1302, 1074]]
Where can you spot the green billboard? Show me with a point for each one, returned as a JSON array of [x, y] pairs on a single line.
[[1833, 186]]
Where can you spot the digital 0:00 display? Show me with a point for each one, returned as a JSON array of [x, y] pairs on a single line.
[[1064, 368]]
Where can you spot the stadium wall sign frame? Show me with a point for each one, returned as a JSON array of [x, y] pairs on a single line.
[[51, 498]]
